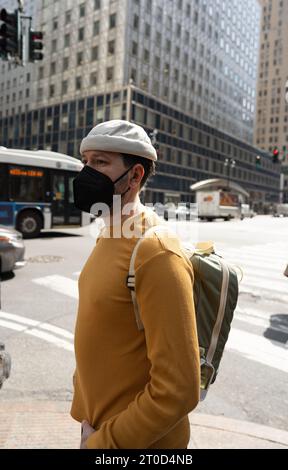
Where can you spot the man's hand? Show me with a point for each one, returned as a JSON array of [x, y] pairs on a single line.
[[86, 431]]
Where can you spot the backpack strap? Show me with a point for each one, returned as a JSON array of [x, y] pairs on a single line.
[[130, 281], [220, 313]]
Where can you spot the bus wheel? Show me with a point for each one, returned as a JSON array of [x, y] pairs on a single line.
[[29, 224]]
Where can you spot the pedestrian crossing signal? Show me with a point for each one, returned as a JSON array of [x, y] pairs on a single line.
[[258, 160], [35, 44], [276, 155]]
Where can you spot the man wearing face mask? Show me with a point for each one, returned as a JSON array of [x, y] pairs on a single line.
[[132, 388]]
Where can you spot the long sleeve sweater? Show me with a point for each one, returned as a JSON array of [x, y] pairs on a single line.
[[134, 387]]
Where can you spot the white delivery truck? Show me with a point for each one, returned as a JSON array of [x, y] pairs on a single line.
[[218, 204], [281, 210]]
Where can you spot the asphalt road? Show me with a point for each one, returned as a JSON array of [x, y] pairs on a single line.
[[39, 307]]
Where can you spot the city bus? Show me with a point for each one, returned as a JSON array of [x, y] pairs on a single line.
[[36, 191]]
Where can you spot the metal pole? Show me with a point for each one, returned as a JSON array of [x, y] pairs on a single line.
[[281, 188]]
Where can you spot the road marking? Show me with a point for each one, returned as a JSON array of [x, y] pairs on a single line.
[[61, 343], [277, 286], [258, 349], [23, 324], [38, 324], [258, 321], [60, 284], [269, 266], [251, 346]]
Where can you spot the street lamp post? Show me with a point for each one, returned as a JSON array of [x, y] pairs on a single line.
[[230, 164]]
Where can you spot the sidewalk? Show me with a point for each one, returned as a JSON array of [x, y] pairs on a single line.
[[48, 425]]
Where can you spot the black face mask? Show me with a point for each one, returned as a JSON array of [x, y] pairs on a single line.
[[91, 186]]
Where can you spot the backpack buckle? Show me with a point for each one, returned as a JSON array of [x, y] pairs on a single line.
[[207, 376], [130, 281]]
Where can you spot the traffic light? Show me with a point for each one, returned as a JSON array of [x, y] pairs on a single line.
[[35, 45], [258, 160], [276, 155], [10, 34], [286, 91]]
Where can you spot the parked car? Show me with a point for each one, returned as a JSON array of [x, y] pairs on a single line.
[[170, 211], [12, 250], [159, 208], [183, 212], [5, 364], [246, 211], [281, 210]]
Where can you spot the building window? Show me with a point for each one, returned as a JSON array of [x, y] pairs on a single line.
[[93, 79], [146, 55], [157, 62], [55, 23], [64, 87], [80, 34], [111, 47], [41, 73], [65, 63], [94, 53], [80, 58], [52, 91], [82, 10], [67, 40], [133, 74], [68, 17], [136, 22], [158, 39], [97, 4], [147, 30], [54, 45], [96, 28], [134, 48], [110, 73], [112, 21], [53, 68], [78, 83]]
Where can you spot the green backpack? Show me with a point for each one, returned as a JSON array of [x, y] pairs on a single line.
[[215, 292]]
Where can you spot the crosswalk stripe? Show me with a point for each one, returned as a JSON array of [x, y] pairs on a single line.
[[42, 325], [270, 294], [259, 273], [60, 284], [264, 258], [39, 334], [275, 285], [257, 348], [262, 322], [274, 267]]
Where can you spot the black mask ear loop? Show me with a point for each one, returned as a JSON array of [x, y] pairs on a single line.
[[122, 194]]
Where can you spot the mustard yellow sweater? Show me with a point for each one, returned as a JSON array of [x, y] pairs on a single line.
[[134, 387]]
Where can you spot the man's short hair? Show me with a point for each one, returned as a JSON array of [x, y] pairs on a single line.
[[148, 165]]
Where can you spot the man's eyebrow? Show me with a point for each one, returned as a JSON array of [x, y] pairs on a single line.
[[99, 155]]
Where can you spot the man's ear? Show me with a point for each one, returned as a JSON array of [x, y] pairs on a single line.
[[137, 175]]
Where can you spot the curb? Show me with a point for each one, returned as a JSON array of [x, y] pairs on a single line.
[[237, 427]]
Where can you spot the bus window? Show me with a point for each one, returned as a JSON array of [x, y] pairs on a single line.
[[26, 184], [3, 183], [70, 190], [58, 205]]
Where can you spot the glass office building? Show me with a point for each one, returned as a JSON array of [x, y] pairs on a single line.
[[189, 150]]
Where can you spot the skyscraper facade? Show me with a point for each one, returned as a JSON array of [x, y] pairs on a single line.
[[271, 124], [186, 68]]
